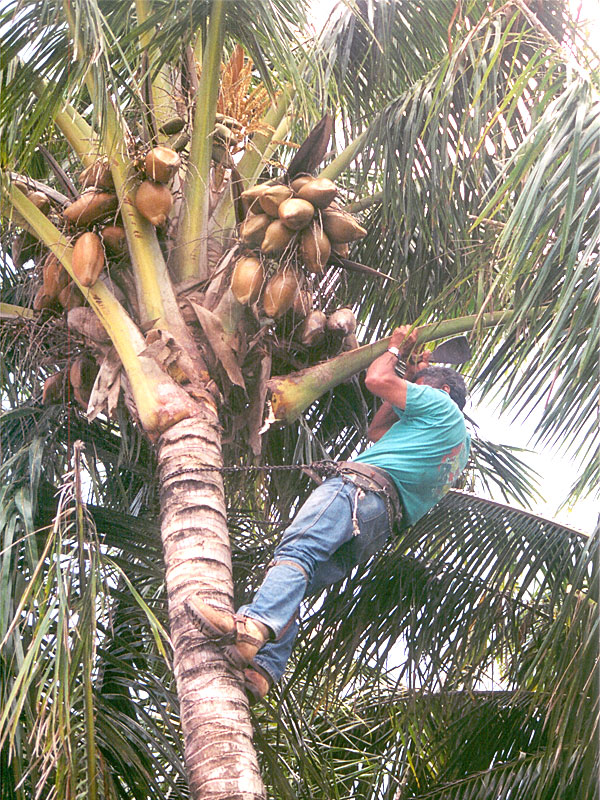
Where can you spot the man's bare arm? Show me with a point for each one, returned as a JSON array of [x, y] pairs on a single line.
[[381, 379], [384, 418]]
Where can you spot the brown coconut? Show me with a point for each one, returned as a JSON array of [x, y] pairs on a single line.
[[39, 200], [303, 303], [247, 279], [89, 207], [271, 199], [98, 175], [82, 375], [114, 238], [254, 192], [162, 163], [54, 388], [70, 297], [298, 183], [88, 258], [42, 300], [342, 321], [280, 292], [154, 201], [342, 227], [320, 192], [84, 321], [341, 248], [315, 248], [55, 276], [277, 238], [296, 214], [313, 328], [253, 229]]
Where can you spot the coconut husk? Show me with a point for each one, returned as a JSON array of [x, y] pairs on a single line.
[[39, 200], [320, 192], [277, 238], [98, 175], [247, 279], [253, 229], [280, 292], [273, 198], [114, 238], [349, 342], [154, 201], [303, 303], [84, 321], [342, 227], [55, 276], [342, 321], [89, 207], [313, 328], [54, 388], [315, 248], [295, 213], [88, 258], [162, 163], [70, 297]]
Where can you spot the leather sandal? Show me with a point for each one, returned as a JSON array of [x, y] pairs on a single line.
[[240, 638]]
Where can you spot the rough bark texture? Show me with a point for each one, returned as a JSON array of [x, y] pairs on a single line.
[[220, 757]]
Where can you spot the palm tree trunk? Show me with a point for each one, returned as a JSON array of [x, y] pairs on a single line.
[[220, 757]]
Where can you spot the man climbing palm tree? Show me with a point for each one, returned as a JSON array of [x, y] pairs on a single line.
[[421, 447]]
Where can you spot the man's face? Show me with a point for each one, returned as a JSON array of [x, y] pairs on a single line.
[[425, 382]]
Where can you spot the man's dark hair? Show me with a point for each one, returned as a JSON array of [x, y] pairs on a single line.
[[438, 376]]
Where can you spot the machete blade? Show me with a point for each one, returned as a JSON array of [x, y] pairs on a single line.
[[454, 351]]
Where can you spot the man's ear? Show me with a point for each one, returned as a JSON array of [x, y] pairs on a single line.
[[446, 388]]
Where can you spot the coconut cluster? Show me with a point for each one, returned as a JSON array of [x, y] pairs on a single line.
[[280, 220]]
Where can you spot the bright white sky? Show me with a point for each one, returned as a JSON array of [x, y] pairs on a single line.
[[558, 473]]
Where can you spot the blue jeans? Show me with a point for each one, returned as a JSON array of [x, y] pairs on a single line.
[[319, 548]]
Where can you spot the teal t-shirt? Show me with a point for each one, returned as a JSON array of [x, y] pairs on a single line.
[[425, 451]]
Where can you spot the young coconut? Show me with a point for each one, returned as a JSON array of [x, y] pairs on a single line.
[[54, 388], [342, 227], [341, 248], [55, 276], [70, 297], [98, 175], [254, 192], [277, 238], [298, 183], [320, 192], [84, 321], [280, 292], [39, 200], [315, 248], [313, 328], [162, 163], [247, 279], [154, 201], [253, 229], [273, 198], [88, 258], [342, 321], [296, 214], [89, 207], [82, 375], [42, 300], [303, 303], [114, 238]]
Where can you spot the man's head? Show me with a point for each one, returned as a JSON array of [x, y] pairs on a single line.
[[444, 378]]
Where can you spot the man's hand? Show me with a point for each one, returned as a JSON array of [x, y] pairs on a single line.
[[404, 339], [416, 363]]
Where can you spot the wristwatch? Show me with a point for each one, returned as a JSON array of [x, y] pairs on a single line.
[[400, 365]]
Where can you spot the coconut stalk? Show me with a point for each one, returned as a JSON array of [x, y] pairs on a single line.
[[192, 230], [10, 311], [292, 394], [345, 158], [162, 103]]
